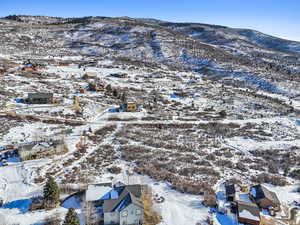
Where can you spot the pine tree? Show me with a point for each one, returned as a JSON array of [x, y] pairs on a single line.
[[108, 88], [223, 114], [51, 193], [115, 93], [123, 97], [71, 218]]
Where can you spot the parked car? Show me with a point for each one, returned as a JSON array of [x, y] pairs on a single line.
[[4, 162]]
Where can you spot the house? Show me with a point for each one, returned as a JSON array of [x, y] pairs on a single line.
[[181, 94], [230, 192], [117, 204], [40, 98], [248, 213], [126, 209], [64, 63], [41, 149], [29, 67], [131, 107], [153, 75], [119, 75], [89, 75], [96, 86], [128, 107], [263, 197]]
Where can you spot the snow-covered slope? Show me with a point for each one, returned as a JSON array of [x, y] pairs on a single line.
[[215, 104]]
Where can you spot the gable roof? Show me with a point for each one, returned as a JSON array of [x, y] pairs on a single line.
[[249, 211], [127, 195], [40, 95], [259, 192], [112, 204], [135, 189]]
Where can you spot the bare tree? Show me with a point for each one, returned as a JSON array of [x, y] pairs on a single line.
[[92, 217]]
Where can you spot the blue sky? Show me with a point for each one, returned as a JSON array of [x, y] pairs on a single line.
[[276, 17]]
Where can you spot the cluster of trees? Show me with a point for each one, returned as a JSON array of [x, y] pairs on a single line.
[[52, 200], [13, 17]]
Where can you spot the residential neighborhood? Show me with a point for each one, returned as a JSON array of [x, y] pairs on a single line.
[[255, 205], [128, 120]]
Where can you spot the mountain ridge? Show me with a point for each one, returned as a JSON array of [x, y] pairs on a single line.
[[211, 50]]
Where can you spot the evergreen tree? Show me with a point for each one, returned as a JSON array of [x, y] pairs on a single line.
[[51, 193], [108, 88], [123, 97], [71, 218], [223, 114], [115, 93]]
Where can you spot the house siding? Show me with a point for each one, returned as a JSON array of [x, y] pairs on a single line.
[[29, 151], [112, 218], [132, 218], [248, 221], [40, 98], [265, 203]]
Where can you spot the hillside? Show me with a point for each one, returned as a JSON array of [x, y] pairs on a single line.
[[213, 104]]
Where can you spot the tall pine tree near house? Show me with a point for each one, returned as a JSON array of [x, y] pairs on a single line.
[[123, 98], [51, 194], [71, 218]]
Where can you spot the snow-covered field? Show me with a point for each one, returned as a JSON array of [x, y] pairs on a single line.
[[208, 111]]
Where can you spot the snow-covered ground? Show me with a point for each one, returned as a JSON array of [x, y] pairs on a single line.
[[214, 128]]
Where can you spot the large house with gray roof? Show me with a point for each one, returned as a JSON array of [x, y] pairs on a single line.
[[263, 197], [39, 98], [119, 205]]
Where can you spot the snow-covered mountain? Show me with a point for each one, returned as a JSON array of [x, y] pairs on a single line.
[[214, 104], [215, 49]]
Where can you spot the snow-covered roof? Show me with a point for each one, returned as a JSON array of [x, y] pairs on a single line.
[[94, 192], [243, 197], [248, 211], [247, 214], [91, 74]]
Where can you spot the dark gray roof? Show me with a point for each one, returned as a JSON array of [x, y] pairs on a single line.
[[135, 189], [262, 192], [102, 184], [110, 204], [40, 95], [137, 201], [127, 194]]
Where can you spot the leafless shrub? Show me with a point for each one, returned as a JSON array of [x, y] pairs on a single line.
[[114, 170], [224, 163], [210, 157], [271, 179], [241, 166], [53, 220], [295, 174]]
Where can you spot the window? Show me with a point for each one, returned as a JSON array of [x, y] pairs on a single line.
[[124, 213], [138, 212]]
